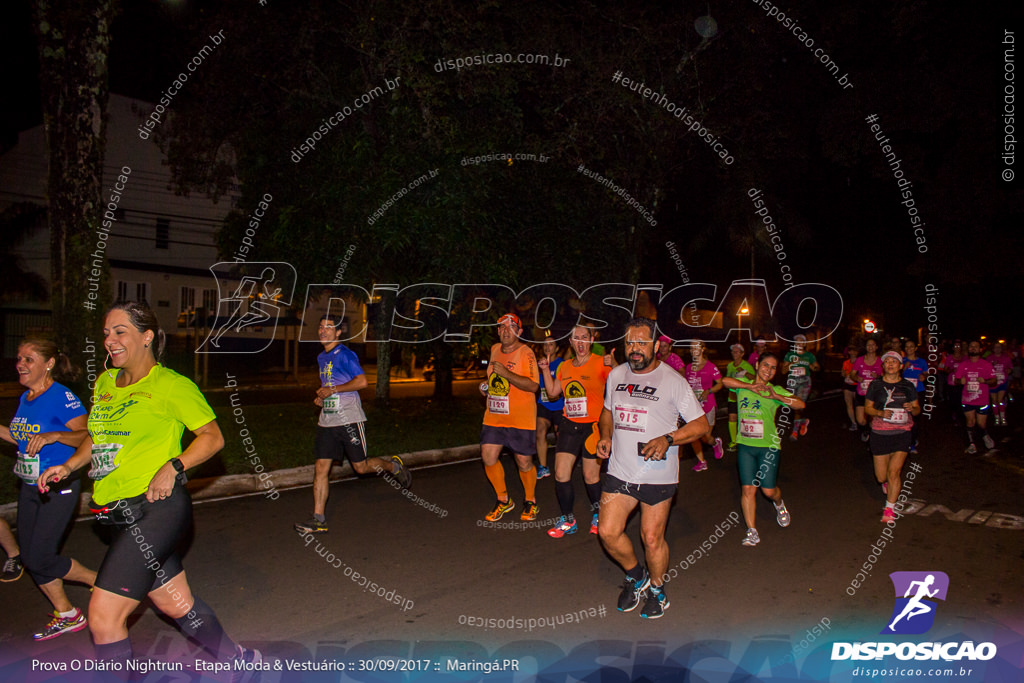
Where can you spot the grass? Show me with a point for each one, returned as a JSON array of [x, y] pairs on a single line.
[[283, 435]]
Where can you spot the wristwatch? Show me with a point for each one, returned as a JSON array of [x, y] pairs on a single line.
[[669, 438], [179, 467]]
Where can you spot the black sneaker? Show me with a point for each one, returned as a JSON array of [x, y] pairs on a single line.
[[12, 570], [246, 666], [313, 526], [403, 475], [629, 598], [657, 603]]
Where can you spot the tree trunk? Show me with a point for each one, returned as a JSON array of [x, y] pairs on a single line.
[[382, 322], [74, 45], [442, 370]]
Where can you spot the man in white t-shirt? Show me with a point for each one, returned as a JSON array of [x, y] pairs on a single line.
[[643, 401]]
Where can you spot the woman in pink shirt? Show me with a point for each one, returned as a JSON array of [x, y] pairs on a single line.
[[705, 380], [865, 369]]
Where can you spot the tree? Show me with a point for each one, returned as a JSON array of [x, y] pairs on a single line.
[[74, 43]]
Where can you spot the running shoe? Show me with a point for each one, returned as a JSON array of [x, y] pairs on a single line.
[[530, 510], [700, 466], [629, 598], [782, 515], [888, 516], [313, 526], [657, 603], [795, 433], [752, 538], [718, 449], [402, 474], [989, 443], [852, 428], [865, 436], [731, 447], [971, 450], [913, 449], [59, 625], [803, 426], [565, 527], [543, 472], [246, 666], [593, 525], [499, 510], [12, 570]]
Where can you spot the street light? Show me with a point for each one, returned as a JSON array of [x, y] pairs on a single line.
[[739, 322]]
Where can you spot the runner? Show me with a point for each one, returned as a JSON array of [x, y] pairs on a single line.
[[548, 412], [581, 382], [511, 417], [666, 356], [47, 427], [705, 379], [737, 369], [895, 345], [914, 369], [759, 348], [850, 385], [12, 569], [1002, 368], [340, 431], [140, 409], [975, 376], [891, 403], [798, 366], [865, 369], [644, 400], [760, 441], [954, 389]]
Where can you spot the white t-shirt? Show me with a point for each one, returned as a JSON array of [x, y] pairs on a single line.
[[644, 407]]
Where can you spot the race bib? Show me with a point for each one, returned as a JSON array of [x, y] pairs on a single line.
[[973, 387], [332, 404], [575, 407], [27, 467], [1000, 378], [740, 374], [899, 416], [696, 385], [103, 456], [544, 394], [630, 419], [752, 428], [864, 385], [498, 405]]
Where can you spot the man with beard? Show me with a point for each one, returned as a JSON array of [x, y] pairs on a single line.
[[976, 375], [643, 400]]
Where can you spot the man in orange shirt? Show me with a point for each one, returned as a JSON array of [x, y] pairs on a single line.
[[581, 380], [511, 417]]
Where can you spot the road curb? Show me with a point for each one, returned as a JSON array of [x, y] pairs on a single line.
[[231, 485]]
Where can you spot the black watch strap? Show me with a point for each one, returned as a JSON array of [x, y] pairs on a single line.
[[669, 438], [179, 467]]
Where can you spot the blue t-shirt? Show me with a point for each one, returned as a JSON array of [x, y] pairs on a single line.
[[913, 369], [554, 406], [49, 412], [337, 367]]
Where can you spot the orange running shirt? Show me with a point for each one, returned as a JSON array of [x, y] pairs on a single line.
[[583, 388], [508, 406]]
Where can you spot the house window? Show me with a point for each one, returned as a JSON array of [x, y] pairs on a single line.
[[133, 291]]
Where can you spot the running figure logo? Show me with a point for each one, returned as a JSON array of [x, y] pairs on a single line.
[[914, 612], [261, 295]]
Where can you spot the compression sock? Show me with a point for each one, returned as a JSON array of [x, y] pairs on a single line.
[[594, 494], [202, 625], [529, 479], [636, 573], [732, 432], [566, 497], [496, 474], [121, 651]]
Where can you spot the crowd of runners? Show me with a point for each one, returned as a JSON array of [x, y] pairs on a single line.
[[629, 425]]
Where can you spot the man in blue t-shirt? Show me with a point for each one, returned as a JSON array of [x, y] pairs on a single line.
[[340, 432]]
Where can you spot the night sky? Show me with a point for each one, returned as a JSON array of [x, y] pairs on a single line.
[[933, 76]]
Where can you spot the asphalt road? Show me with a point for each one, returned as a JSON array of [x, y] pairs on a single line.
[[455, 589]]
